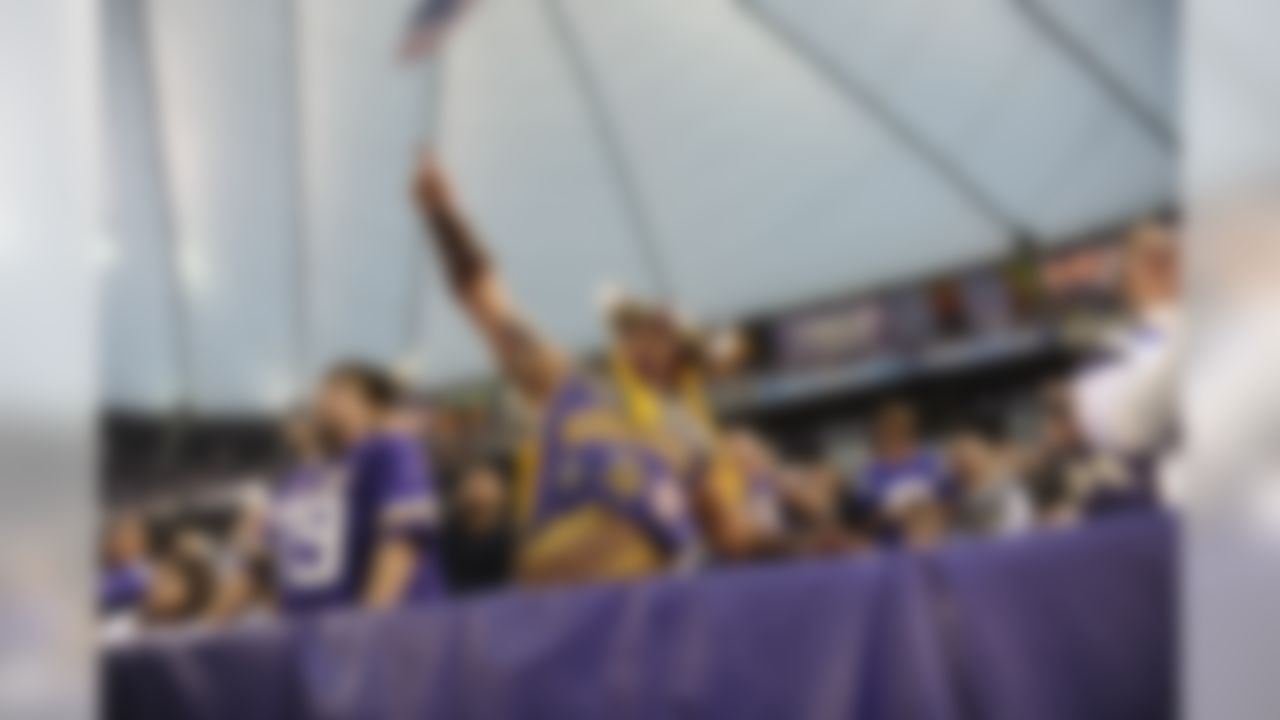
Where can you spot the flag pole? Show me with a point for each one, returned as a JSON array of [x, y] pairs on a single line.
[[414, 317]]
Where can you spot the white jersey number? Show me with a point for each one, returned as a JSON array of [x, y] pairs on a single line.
[[312, 527]]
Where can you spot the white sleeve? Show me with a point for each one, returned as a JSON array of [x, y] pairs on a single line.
[[1127, 405]]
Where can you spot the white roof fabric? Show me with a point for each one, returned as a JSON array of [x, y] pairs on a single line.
[[732, 156]]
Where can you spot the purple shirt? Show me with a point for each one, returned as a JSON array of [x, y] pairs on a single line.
[[920, 467], [124, 586], [327, 523], [624, 476]]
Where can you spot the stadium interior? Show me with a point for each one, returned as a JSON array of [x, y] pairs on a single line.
[[898, 246]]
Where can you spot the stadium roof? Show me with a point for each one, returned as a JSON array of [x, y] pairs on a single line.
[[730, 155]]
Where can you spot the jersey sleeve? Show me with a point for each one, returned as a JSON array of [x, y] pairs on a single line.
[[405, 501]]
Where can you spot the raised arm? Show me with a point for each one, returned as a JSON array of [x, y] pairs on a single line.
[[533, 365]]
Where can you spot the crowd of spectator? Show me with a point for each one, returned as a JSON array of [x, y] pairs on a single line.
[[629, 474], [973, 481]]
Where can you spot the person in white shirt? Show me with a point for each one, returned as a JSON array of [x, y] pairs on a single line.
[[1127, 403]]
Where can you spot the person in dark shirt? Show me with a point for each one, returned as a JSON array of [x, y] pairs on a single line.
[[477, 542]]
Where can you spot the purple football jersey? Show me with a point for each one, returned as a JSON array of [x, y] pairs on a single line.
[[622, 475], [921, 468], [327, 522]]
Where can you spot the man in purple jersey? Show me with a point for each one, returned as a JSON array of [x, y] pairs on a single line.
[[594, 499], [356, 530]]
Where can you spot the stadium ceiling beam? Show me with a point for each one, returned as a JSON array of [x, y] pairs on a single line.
[[181, 327], [1044, 22], [867, 100], [627, 181], [177, 424], [303, 319]]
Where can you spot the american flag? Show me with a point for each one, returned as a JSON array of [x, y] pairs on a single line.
[[428, 25]]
